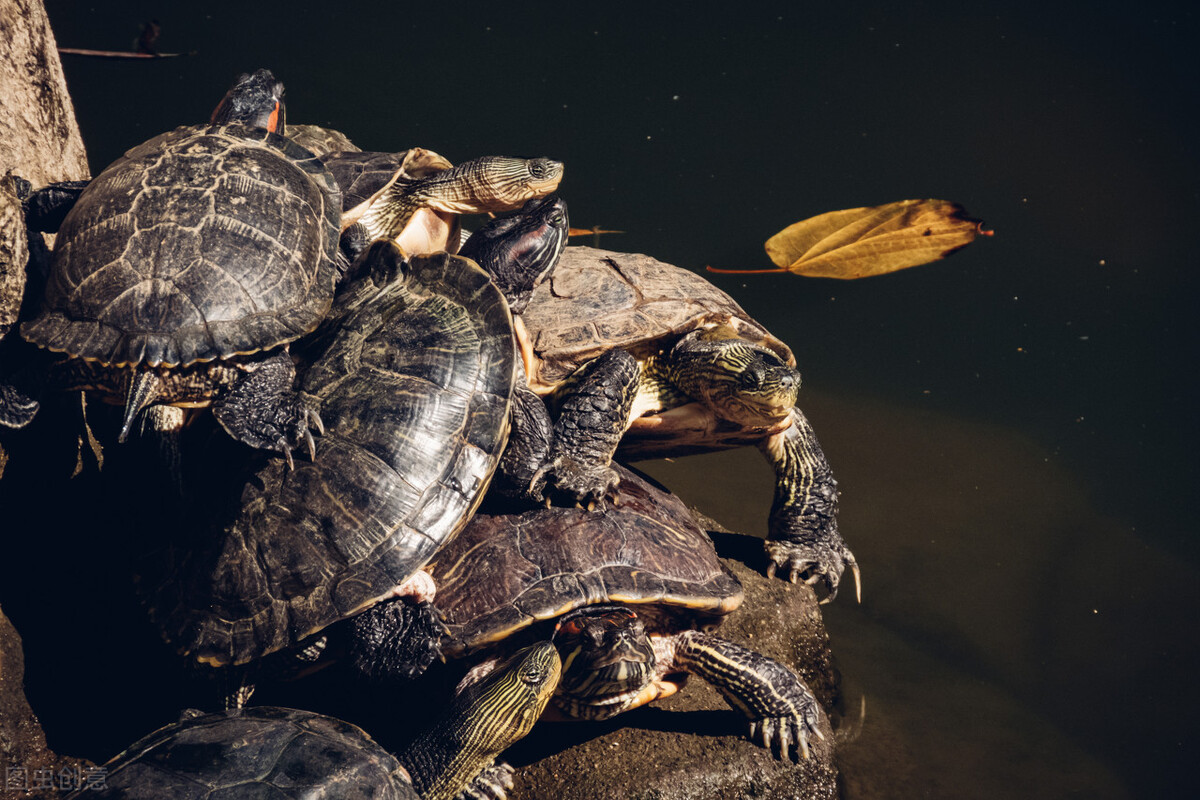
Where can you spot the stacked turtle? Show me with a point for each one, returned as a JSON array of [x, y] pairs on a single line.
[[629, 594], [198, 268], [183, 272]]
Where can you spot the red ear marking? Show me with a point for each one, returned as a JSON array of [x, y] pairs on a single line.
[[273, 120]]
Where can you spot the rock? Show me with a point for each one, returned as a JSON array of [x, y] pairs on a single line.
[[39, 138], [693, 746], [27, 761], [14, 253]]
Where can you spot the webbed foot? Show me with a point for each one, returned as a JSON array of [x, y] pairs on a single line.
[[263, 411], [492, 783], [396, 639], [592, 416], [787, 737], [821, 561], [583, 483]]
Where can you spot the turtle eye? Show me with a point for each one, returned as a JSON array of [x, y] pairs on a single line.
[[537, 169], [532, 675], [750, 379]]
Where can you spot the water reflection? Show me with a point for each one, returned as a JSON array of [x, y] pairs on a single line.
[[1005, 623]]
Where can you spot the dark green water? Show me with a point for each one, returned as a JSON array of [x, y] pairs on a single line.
[[1011, 427]]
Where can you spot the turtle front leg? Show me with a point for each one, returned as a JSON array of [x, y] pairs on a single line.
[[782, 711], [530, 433], [21, 384], [592, 418], [17, 409], [802, 534], [395, 639], [263, 411]]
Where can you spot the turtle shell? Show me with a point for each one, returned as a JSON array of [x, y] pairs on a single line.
[[256, 752], [506, 572], [202, 243], [414, 388], [598, 300]]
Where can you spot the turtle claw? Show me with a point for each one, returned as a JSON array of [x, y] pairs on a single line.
[[262, 411], [819, 563], [584, 485], [492, 783], [314, 419], [782, 736], [787, 736], [307, 421]]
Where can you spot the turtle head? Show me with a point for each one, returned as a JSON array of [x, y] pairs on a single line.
[[606, 654], [742, 381], [484, 719], [255, 100], [503, 706], [502, 183], [520, 250]]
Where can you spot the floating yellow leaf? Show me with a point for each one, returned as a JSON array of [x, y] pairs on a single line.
[[860, 242]]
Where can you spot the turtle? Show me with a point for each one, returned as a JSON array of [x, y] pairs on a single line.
[[416, 196], [184, 270], [287, 752], [414, 380], [519, 251], [635, 352], [630, 594]]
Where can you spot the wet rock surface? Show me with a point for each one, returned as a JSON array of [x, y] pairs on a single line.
[[693, 745]]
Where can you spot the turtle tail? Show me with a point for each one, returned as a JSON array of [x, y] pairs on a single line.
[[144, 388]]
